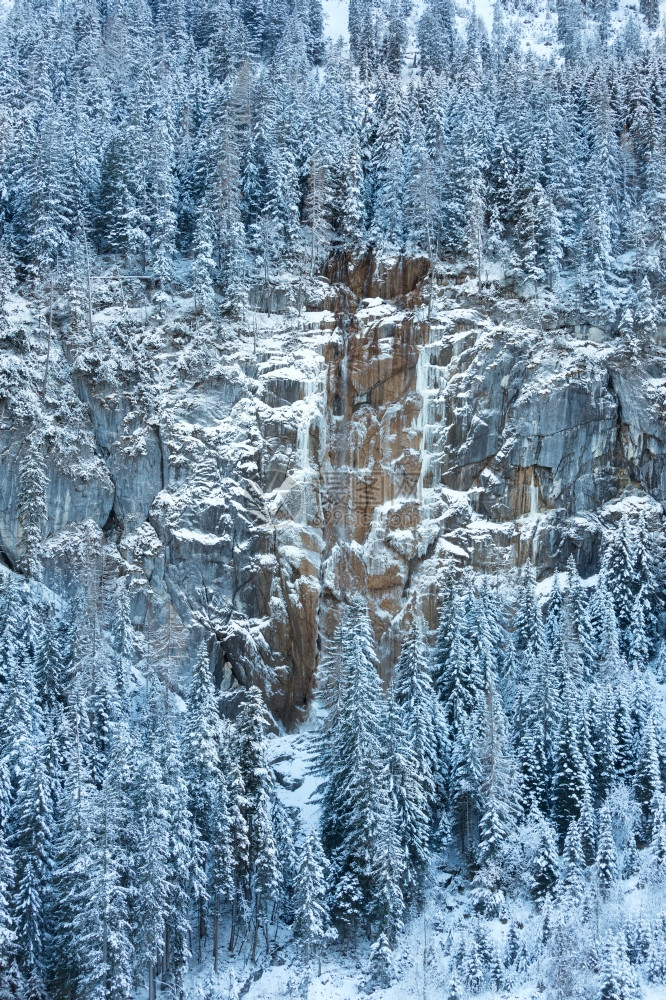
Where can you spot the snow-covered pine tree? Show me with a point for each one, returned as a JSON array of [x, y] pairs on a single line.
[[603, 765], [610, 638], [387, 870], [545, 863], [647, 779], [389, 165], [499, 802], [7, 934], [570, 775], [150, 877], [265, 869], [200, 746], [536, 723], [577, 626], [527, 625], [607, 862], [638, 651], [283, 828], [572, 883], [380, 965], [625, 763], [350, 759], [411, 814], [617, 979], [446, 616], [658, 842], [553, 624], [645, 317], [265, 878], [31, 505], [184, 871], [123, 640], [422, 719], [49, 669], [222, 868], [20, 716], [465, 782], [30, 834], [240, 844], [619, 575], [646, 568], [588, 829], [203, 266], [312, 921], [459, 680]]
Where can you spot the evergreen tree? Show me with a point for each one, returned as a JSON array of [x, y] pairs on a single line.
[[658, 843], [647, 577], [183, 870], [644, 320], [588, 830], [573, 882], [618, 574], [19, 713], [150, 903], [465, 780], [379, 973], [446, 618], [351, 760], [459, 680], [617, 977], [415, 695], [647, 780], [200, 746], [499, 802], [545, 863], [606, 852], [389, 166], [553, 622], [610, 639], [474, 967], [264, 868], [387, 869], [31, 838], [527, 623], [312, 923], [7, 935], [410, 815], [31, 506], [570, 777], [603, 738], [49, 668], [203, 268], [637, 640]]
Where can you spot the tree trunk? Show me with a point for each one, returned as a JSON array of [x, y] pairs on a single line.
[[216, 930], [233, 924], [202, 928], [255, 935]]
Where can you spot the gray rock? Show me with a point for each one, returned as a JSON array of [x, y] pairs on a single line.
[[246, 489]]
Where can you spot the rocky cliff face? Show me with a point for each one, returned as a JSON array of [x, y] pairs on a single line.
[[245, 479]]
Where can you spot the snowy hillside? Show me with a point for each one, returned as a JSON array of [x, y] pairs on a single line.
[[332, 496]]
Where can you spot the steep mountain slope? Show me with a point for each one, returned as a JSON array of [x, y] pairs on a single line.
[[246, 478]]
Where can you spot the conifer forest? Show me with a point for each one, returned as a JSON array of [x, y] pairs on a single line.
[[332, 499]]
